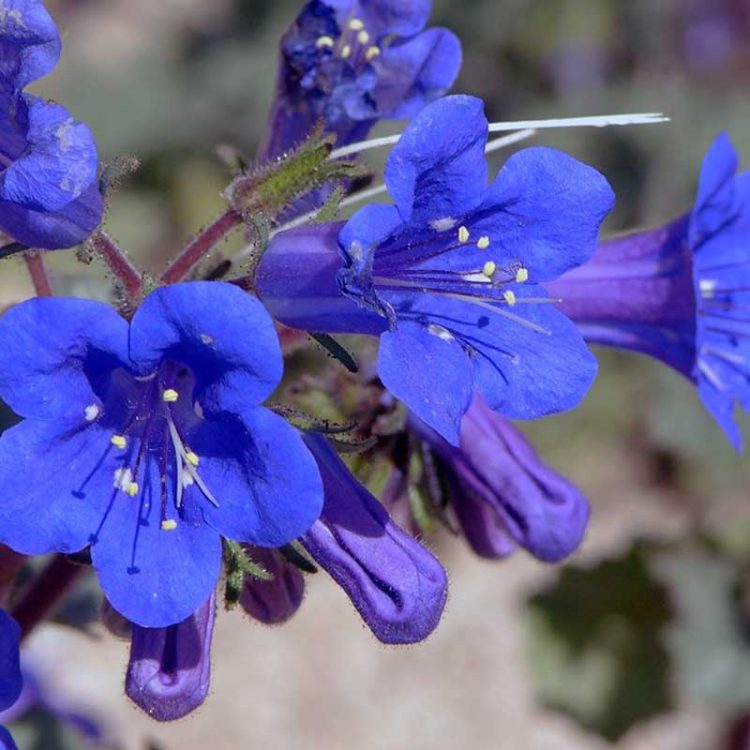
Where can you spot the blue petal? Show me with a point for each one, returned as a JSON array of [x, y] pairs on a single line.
[[59, 164], [296, 280], [385, 16], [222, 334], [29, 43], [543, 210], [429, 371], [49, 348], [720, 404], [398, 587], [715, 202], [6, 740], [53, 230], [58, 479], [265, 481], [416, 72], [11, 680], [438, 170], [152, 576]]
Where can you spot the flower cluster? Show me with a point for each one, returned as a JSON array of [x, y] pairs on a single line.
[[159, 440]]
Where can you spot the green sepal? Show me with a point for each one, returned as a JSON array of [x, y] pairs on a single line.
[[237, 566]]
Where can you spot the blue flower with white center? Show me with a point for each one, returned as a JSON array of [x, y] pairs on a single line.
[[680, 292], [450, 276], [49, 190], [146, 441], [349, 63]]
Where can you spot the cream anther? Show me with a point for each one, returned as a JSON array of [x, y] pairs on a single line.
[[168, 524], [489, 268], [483, 242], [509, 297], [119, 441], [324, 42], [363, 37], [132, 489], [356, 24], [372, 53], [192, 458], [170, 395], [346, 50], [522, 274], [91, 412], [463, 234]]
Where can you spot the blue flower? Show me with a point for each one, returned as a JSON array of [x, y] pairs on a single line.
[[680, 292], [11, 680], [169, 671], [146, 441], [397, 586], [49, 190], [502, 493], [350, 63], [450, 276]]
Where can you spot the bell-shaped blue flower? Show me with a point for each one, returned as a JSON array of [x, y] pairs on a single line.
[[49, 189], [349, 63], [397, 586], [147, 441], [680, 292], [502, 493], [450, 276], [169, 672]]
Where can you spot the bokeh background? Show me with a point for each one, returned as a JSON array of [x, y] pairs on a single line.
[[641, 640]]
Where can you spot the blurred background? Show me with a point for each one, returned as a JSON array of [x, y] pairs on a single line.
[[641, 640]]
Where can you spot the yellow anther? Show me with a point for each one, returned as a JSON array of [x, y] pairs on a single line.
[[489, 268], [483, 242], [346, 50], [119, 441], [372, 53], [463, 234], [192, 458], [510, 298], [356, 24], [324, 41], [522, 274], [169, 524], [170, 395], [132, 489], [363, 37]]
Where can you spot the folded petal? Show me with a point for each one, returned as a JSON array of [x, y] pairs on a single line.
[[59, 163], [397, 586], [57, 482], [274, 601], [29, 43], [267, 486], [438, 169], [426, 367], [49, 349], [543, 209], [153, 576], [169, 671], [222, 334]]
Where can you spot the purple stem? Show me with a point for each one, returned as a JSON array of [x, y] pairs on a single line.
[[38, 273], [202, 243]]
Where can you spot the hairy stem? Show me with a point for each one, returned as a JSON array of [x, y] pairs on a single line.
[[119, 263], [201, 244]]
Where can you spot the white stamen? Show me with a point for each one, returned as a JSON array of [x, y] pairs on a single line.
[[440, 332], [710, 374], [731, 357], [708, 288], [123, 478], [443, 225], [92, 411]]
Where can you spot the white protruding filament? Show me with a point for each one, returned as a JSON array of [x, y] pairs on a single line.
[[186, 466]]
